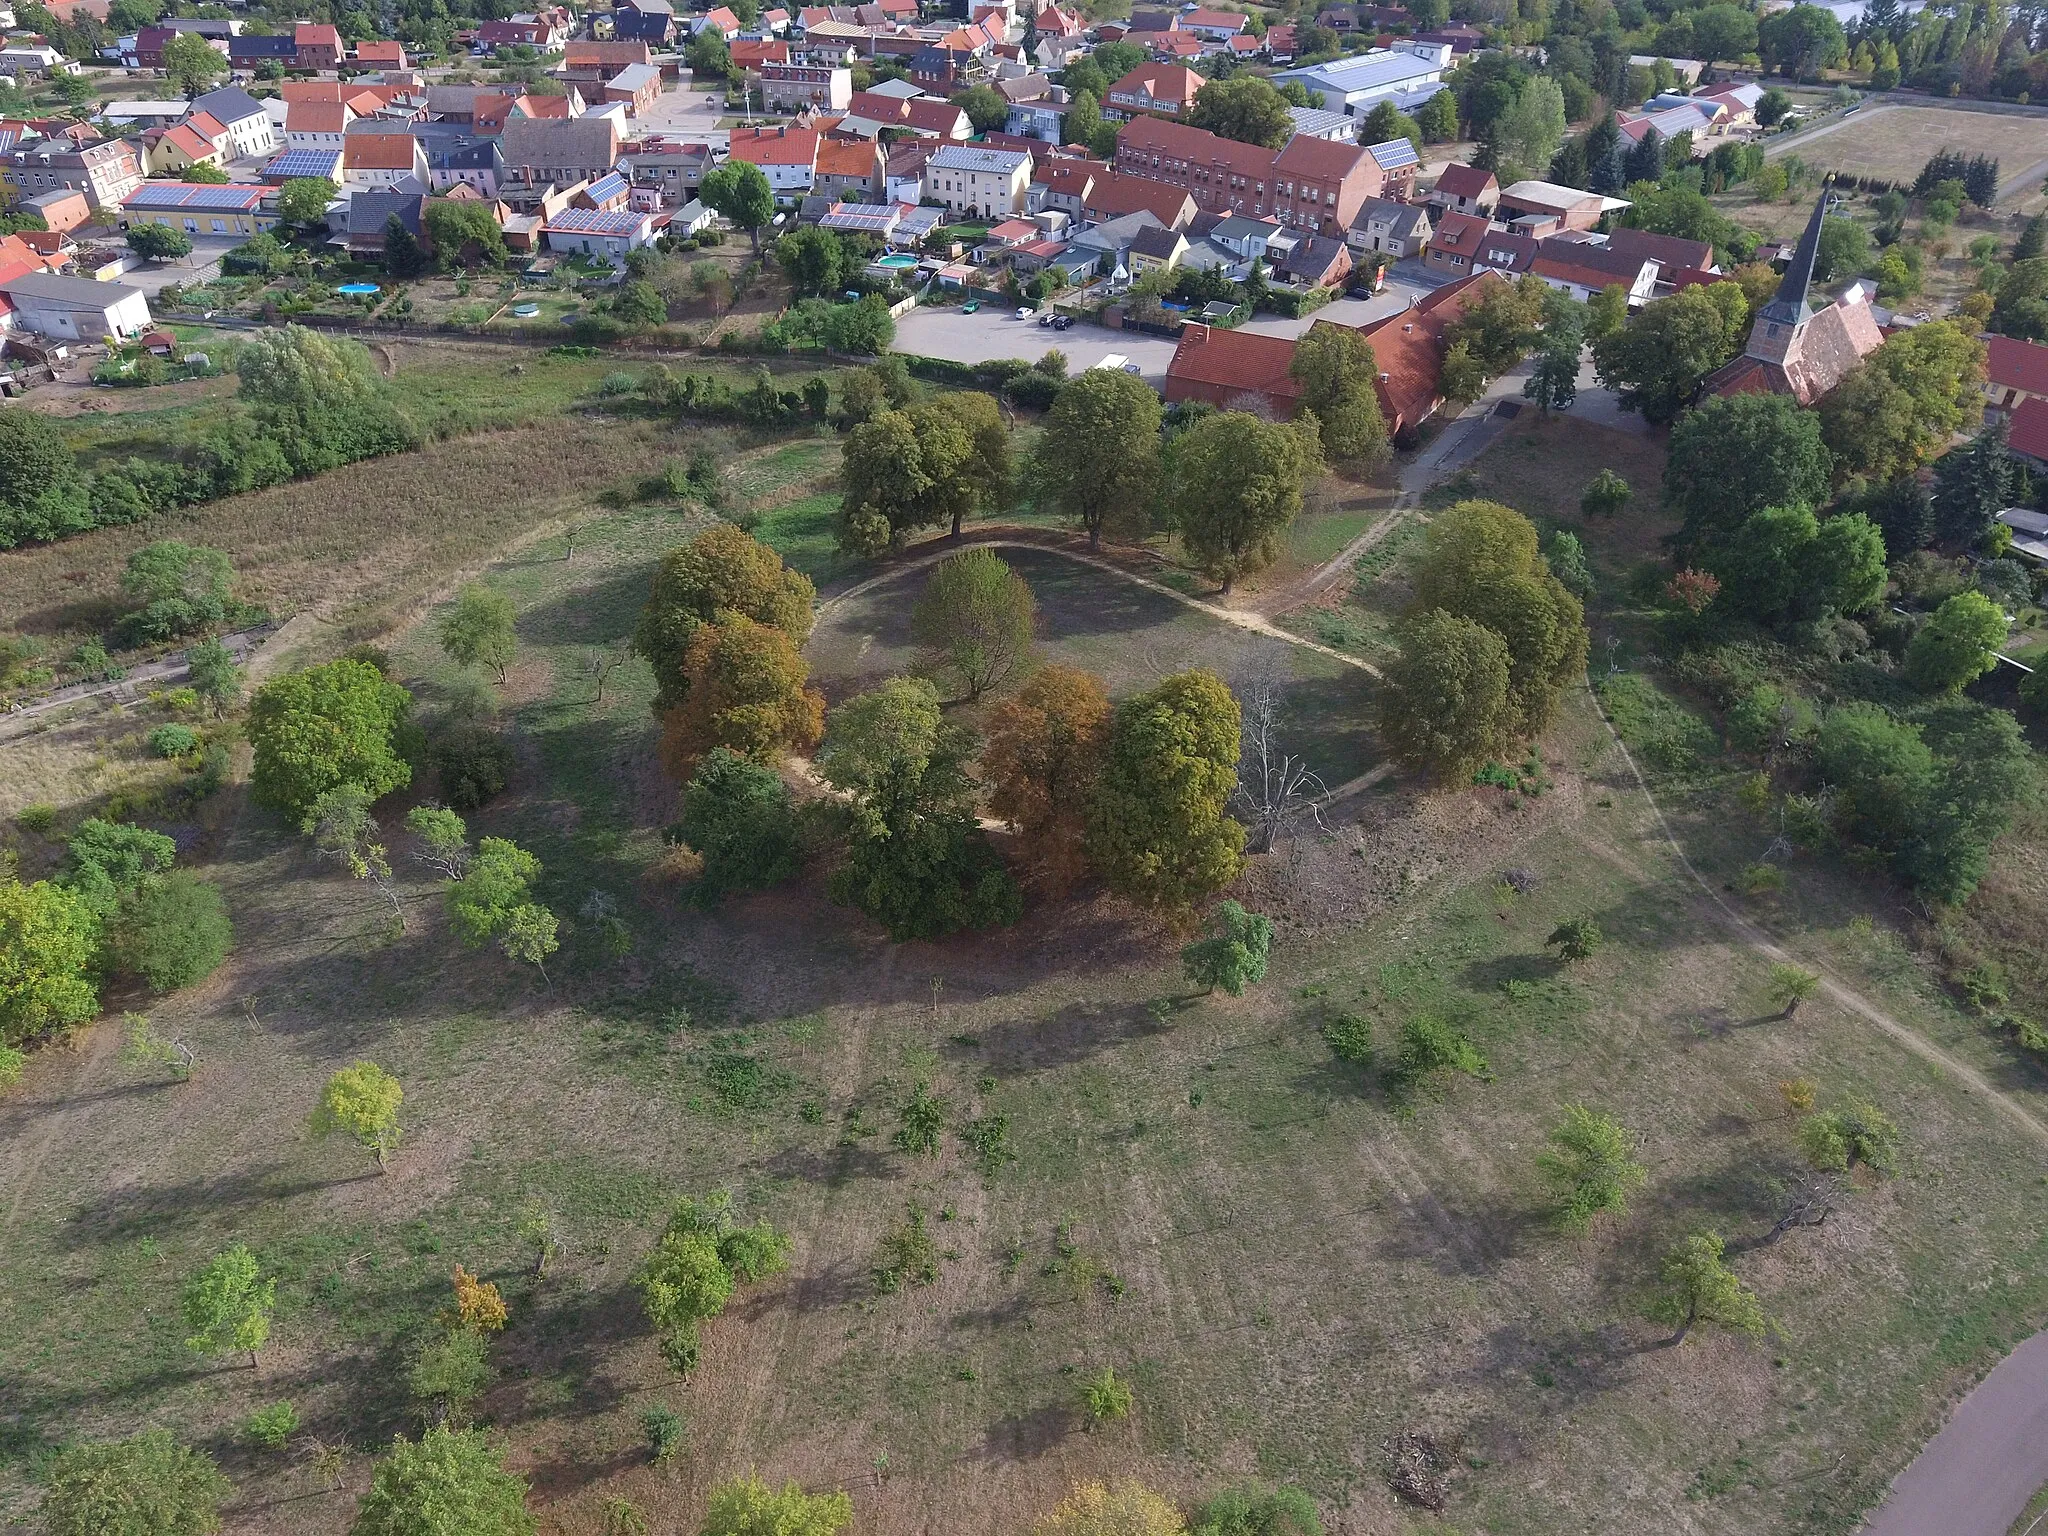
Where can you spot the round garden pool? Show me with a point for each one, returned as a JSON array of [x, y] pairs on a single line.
[[357, 288], [896, 262]]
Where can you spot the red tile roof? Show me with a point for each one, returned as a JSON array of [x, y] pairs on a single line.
[[775, 146], [847, 157], [1408, 347], [1112, 196], [1323, 159], [379, 152], [1243, 362], [1466, 181], [1459, 233], [2014, 364], [2028, 430], [1162, 82]]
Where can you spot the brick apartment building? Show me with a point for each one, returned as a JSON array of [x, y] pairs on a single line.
[[1310, 184]]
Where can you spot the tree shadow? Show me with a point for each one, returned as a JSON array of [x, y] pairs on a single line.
[[1529, 969], [1076, 1033], [1027, 1436], [1578, 1364], [834, 1167], [127, 1215], [1470, 1239]]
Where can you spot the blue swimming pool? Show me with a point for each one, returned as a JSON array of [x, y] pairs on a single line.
[[357, 288]]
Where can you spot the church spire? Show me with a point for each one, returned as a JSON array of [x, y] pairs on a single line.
[[1789, 307]]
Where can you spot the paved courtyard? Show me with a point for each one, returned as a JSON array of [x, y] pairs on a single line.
[[994, 333]]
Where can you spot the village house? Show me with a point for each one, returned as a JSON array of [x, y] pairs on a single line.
[[1394, 230], [1233, 370], [2015, 371], [978, 182], [105, 172], [788, 157], [1161, 90], [199, 208], [800, 87], [1466, 189], [1309, 184]]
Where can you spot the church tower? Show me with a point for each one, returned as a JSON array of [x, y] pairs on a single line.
[[1781, 324]]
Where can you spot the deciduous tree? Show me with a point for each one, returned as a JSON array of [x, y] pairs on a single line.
[[1444, 707], [745, 690], [1159, 832], [49, 938], [1233, 955], [325, 726], [147, 1485], [172, 931], [1737, 454], [1334, 366], [448, 1480], [973, 620], [1097, 458], [1245, 107], [1657, 361], [478, 632], [1836, 1140], [723, 569], [1041, 761], [362, 1101], [1233, 485], [341, 828], [1957, 645], [227, 1305], [739, 818], [747, 1506], [739, 191], [693, 1270], [1906, 402], [190, 63]]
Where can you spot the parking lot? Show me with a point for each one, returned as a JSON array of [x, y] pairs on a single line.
[[994, 332]]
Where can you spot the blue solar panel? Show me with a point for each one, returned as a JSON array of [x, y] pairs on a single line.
[[588, 221], [610, 185], [182, 194], [304, 162], [1394, 154]]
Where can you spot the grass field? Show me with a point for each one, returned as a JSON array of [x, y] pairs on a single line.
[[1301, 1272], [1893, 142]]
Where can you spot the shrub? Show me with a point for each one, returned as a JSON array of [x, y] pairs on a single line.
[[173, 931], [473, 763], [174, 741], [271, 1427], [664, 1430], [1257, 1512], [146, 1485], [1658, 729], [12, 1064], [1106, 1397], [1576, 938], [1349, 1037], [1430, 1046]]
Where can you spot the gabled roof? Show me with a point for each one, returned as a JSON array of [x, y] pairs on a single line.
[[1467, 181], [775, 146], [1161, 82], [1408, 347], [230, 105], [1668, 251], [236, 197], [1242, 361], [1394, 154], [2015, 364], [2027, 430], [1160, 244], [194, 146], [379, 152], [369, 212], [318, 117], [1320, 158], [580, 142], [972, 157]]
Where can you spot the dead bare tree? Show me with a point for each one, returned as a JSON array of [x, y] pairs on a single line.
[[1809, 1201], [603, 661], [1273, 786]]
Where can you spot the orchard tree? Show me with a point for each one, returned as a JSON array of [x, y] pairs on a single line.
[[744, 689], [326, 726], [362, 1101], [973, 621], [747, 1506], [1591, 1166], [1233, 956], [342, 829], [1836, 1140], [448, 1480], [1699, 1287], [1233, 483], [1335, 368], [1159, 833], [1957, 645], [148, 1485], [1576, 938], [739, 818], [701, 1258], [444, 840], [739, 191], [477, 631], [497, 884], [49, 943], [1444, 707], [529, 936], [1042, 759], [723, 569], [1737, 454], [227, 1306], [1792, 985], [1097, 459]]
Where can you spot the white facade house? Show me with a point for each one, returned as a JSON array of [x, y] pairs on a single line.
[[251, 130], [969, 179], [75, 308]]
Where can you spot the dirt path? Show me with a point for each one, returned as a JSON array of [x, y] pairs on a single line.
[[999, 537]]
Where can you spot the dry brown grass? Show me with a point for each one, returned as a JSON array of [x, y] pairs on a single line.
[[1894, 142], [360, 545]]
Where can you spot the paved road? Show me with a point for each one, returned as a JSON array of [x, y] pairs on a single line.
[[1975, 1477], [994, 333]]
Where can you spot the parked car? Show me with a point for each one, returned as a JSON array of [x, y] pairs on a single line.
[[1047, 318], [970, 306], [1061, 322], [1024, 313]]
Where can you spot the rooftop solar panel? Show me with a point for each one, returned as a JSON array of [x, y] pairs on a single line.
[[180, 194], [1394, 154], [304, 162], [587, 221]]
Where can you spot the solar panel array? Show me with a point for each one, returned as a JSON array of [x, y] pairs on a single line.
[[1394, 154], [868, 218], [606, 187], [588, 221], [195, 195], [318, 163]]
